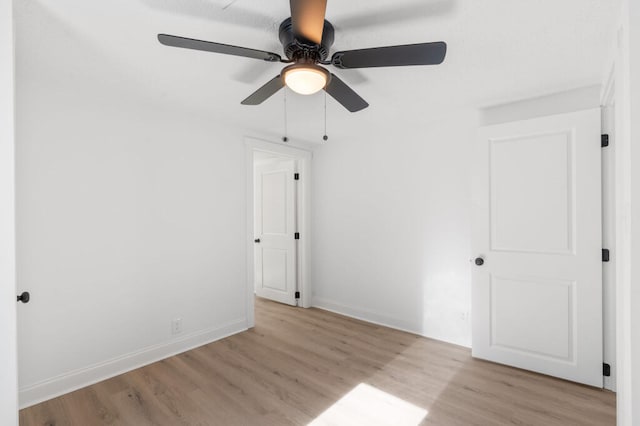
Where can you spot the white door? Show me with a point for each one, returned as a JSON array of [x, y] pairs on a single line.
[[8, 341], [537, 230], [275, 228]]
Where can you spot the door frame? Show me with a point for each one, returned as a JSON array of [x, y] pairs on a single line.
[[609, 224], [616, 92], [303, 206], [8, 305]]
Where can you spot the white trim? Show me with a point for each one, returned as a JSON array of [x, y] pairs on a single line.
[[607, 102], [616, 86], [609, 242], [374, 318], [278, 148], [86, 376], [8, 306], [303, 158], [363, 315], [608, 94], [628, 229]]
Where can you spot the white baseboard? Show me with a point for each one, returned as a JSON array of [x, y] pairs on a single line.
[[365, 315], [375, 318], [83, 377]]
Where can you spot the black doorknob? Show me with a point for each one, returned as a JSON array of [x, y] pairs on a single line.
[[479, 261], [24, 297], [257, 240]]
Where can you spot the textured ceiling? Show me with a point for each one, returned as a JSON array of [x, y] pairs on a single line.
[[499, 51]]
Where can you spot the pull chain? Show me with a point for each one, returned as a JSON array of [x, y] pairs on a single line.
[[286, 131], [325, 137]]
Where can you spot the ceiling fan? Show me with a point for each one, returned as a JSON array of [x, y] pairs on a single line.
[[306, 38]]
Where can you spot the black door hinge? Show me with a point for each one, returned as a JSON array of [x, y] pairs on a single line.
[[297, 295], [296, 236], [296, 176], [606, 370], [605, 255], [604, 141]]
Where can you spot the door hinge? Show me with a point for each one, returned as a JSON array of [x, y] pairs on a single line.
[[296, 176], [605, 255], [296, 236], [297, 295], [604, 141], [606, 370]]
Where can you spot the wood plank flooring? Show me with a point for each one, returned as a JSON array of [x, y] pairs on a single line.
[[301, 366]]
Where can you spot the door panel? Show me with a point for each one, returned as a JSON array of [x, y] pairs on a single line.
[[275, 227], [516, 316], [531, 194], [274, 202], [274, 270], [537, 298]]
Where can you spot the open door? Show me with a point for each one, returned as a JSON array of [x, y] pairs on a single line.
[[275, 228], [537, 242]]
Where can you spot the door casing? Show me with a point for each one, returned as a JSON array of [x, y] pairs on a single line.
[[8, 306]]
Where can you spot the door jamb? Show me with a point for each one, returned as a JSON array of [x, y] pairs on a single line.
[[303, 158], [616, 88], [8, 305]]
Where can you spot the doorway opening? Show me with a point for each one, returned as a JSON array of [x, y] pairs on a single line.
[[277, 224]]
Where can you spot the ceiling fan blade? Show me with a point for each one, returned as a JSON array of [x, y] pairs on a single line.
[[392, 56], [265, 92], [345, 95], [209, 46], [307, 17]]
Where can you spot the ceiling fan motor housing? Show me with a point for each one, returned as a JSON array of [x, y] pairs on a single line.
[[301, 50]]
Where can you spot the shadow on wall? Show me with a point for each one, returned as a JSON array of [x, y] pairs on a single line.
[[392, 226]]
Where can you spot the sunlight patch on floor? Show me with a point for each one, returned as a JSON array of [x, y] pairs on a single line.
[[366, 405]]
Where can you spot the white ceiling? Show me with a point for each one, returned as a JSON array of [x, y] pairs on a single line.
[[499, 51]]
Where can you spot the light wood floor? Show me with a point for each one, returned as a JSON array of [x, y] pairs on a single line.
[[297, 365]]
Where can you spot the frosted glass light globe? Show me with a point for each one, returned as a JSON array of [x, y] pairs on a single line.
[[305, 79]]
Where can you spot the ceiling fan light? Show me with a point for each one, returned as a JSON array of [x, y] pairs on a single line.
[[305, 79]]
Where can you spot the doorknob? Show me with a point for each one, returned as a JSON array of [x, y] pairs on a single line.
[[257, 240], [479, 261], [24, 297]]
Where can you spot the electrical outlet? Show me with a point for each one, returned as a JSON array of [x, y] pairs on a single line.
[[176, 326], [464, 316]]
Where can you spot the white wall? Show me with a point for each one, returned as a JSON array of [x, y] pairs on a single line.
[[8, 378], [391, 227], [391, 220], [129, 215], [634, 297]]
